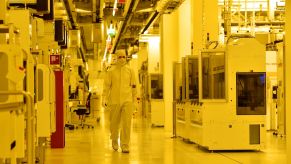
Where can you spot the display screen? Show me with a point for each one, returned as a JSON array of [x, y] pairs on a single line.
[[251, 93]]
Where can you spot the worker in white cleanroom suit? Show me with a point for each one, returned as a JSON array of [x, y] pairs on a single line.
[[119, 94]]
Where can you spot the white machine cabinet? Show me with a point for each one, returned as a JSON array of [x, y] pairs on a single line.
[[157, 100], [180, 119], [231, 110], [11, 79], [157, 112], [187, 91], [46, 101]]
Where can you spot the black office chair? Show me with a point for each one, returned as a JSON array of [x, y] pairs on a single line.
[[82, 111]]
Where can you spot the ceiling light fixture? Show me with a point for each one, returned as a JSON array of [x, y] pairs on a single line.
[[111, 30], [114, 8], [82, 11]]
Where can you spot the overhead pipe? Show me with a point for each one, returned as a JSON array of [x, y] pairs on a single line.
[[70, 15], [94, 9], [162, 7], [127, 13], [150, 20], [135, 5]]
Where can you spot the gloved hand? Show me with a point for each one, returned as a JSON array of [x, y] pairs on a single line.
[[104, 102]]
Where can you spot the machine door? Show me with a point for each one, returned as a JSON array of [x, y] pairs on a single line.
[[251, 93]]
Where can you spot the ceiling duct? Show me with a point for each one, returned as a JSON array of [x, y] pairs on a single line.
[[150, 20], [168, 6], [163, 7], [126, 14], [72, 19], [139, 15]]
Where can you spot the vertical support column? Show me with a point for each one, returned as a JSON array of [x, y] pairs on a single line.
[[271, 9], [94, 10], [287, 75], [205, 20], [197, 25], [169, 52], [185, 29], [211, 19], [66, 83], [58, 138], [154, 55], [227, 18]]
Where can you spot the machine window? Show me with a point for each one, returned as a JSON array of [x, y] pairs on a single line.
[[193, 78], [190, 82], [213, 75], [251, 93], [156, 86]]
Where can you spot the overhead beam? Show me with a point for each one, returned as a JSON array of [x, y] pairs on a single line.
[[150, 20], [70, 15], [127, 13]]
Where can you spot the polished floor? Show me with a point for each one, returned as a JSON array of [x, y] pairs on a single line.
[[151, 145]]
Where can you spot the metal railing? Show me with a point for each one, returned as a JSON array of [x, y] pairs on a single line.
[[30, 123]]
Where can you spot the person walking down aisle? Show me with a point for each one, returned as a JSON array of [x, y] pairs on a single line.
[[119, 95]]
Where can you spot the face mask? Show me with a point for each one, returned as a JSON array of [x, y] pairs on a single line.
[[121, 60]]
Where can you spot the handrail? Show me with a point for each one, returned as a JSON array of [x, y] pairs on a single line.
[[30, 126], [11, 106]]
